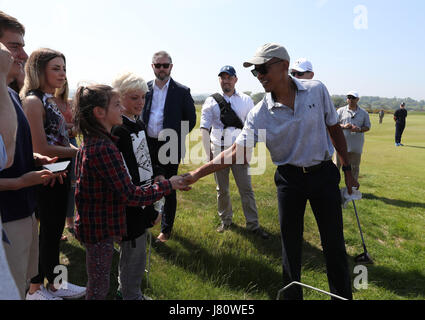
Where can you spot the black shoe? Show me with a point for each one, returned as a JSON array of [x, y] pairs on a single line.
[[223, 227], [260, 232]]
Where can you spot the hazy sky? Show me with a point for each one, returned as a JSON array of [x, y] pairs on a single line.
[[376, 47]]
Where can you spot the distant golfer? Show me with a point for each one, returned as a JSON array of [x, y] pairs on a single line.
[[400, 123], [354, 122], [381, 115]]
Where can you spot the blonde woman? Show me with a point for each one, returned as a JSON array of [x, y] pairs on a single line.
[[45, 71]]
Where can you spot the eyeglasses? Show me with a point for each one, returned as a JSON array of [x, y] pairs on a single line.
[[263, 68], [164, 65], [299, 74], [351, 97]]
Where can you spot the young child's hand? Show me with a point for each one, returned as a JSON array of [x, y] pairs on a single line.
[[178, 182]]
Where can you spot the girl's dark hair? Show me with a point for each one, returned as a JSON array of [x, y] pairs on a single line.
[[85, 100]]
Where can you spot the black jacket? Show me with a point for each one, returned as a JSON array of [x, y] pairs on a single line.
[[138, 219], [179, 106]]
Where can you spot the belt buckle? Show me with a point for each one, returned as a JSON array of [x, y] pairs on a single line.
[[305, 170]]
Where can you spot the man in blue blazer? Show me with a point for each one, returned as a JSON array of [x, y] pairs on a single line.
[[169, 115]]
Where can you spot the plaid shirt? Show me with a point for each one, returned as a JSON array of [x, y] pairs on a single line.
[[104, 189]]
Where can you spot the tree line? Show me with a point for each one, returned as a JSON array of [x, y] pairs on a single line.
[[370, 103]]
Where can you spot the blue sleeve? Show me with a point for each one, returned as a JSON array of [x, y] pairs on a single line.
[[3, 155]]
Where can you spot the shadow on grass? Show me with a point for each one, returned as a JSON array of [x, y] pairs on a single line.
[[406, 284], [419, 147], [239, 273], [77, 271], [394, 202]]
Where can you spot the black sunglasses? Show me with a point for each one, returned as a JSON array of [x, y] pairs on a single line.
[[351, 97], [262, 68], [297, 73], [164, 65]]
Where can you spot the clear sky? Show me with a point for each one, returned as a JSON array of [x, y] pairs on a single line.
[[376, 47]]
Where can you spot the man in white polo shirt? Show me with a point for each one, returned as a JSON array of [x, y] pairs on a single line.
[[300, 121], [218, 136], [302, 69], [354, 122]]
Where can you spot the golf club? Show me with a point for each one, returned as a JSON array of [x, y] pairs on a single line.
[[364, 257]]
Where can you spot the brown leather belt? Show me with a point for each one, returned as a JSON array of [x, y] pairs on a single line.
[[311, 169]]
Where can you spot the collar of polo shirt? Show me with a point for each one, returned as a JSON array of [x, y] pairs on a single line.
[[269, 97]]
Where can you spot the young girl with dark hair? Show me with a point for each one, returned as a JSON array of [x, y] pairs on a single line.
[[103, 187]]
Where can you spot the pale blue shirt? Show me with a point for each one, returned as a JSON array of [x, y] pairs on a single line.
[[3, 154], [156, 118], [298, 137], [8, 289], [210, 117], [360, 118]]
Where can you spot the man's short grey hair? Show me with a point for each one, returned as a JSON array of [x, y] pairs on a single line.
[[161, 54]]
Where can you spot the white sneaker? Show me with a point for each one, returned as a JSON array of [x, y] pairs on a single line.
[[146, 297], [69, 291], [41, 294]]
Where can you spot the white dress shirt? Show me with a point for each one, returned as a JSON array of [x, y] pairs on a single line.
[[156, 118], [210, 117]]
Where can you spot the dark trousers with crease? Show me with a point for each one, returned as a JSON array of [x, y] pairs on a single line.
[[170, 170], [51, 211], [399, 128], [321, 188]]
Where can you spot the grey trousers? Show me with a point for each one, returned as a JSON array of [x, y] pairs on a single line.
[[354, 158], [243, 182], [131, 268]]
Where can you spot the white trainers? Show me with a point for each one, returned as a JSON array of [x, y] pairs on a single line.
[[69, 291], [41, 294], [146, 297]]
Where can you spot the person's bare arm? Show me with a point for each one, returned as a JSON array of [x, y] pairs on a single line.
[[8, 119], [338, 140], [234, 154], [28, 179]]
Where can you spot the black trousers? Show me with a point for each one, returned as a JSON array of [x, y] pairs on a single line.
[[170, 170], [321, 188], [51, 211], [399, 128]]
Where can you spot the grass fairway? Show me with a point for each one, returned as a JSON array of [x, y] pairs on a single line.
[[199, 263]]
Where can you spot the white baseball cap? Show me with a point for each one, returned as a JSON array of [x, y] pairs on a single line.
[[302, 65], [266, 53], [353, 93]]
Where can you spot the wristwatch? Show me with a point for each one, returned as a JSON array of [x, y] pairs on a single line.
[[346, 168]]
